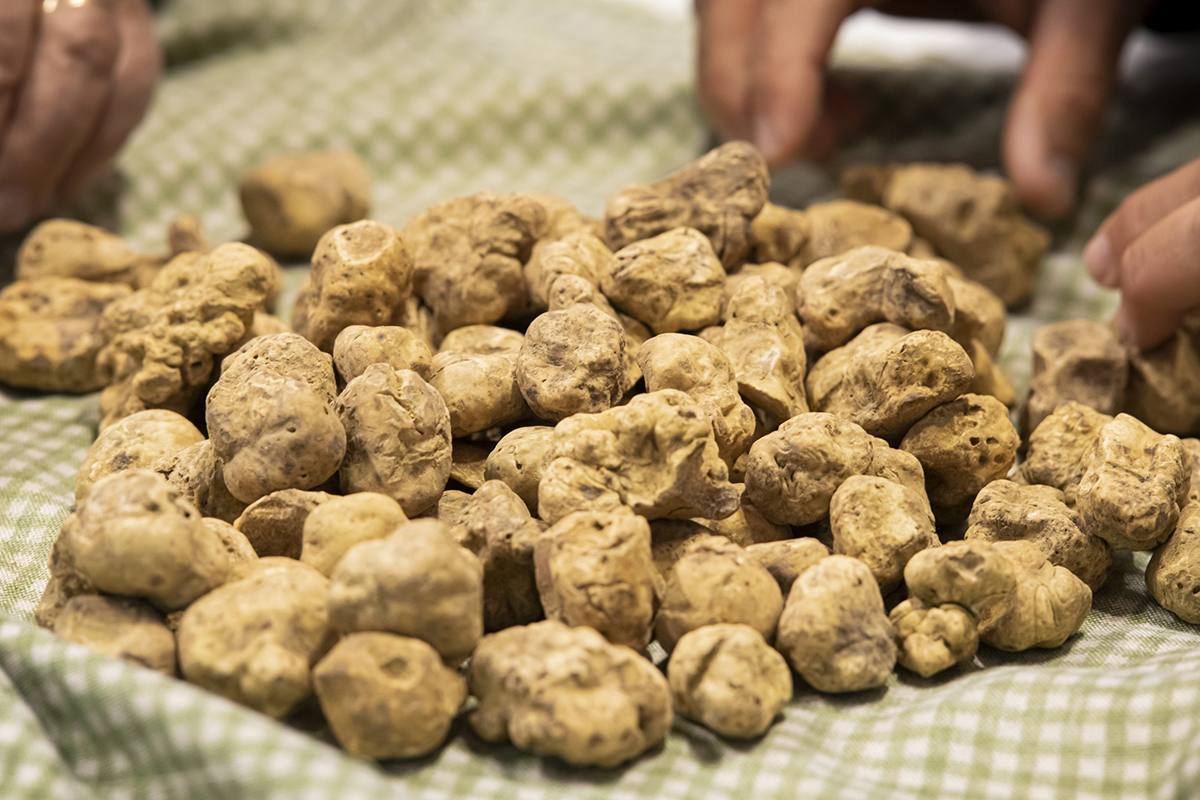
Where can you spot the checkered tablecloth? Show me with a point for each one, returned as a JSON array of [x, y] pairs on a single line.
[[579, 97]]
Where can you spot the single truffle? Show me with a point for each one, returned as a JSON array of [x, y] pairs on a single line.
[[255, 639], [839, 296], [387, 696], [469, 254], [51, 333], [963, 445], [1076, 360], [594, 568], [415, 582], [834, 630], [572, 362], [333, 527], [118, 627], [592, 704], [1133, 482], [138, 441], [719, 194], [519, 459], [705, 374], [134, 535], [271, 419], [887, 377], [397, 437], [361, 273], [714, 581], [727, 678], [933, 639], [480, 391], [1173, 575], [359, 346], [1005, 511], [656, 454], [290, 201], [882, 524], [672, 282]]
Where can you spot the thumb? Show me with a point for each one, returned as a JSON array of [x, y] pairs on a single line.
[[1074, 50]]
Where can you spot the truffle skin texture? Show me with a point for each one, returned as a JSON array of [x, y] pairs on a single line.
[[837, 297], [972, 219], [571, 362], [792, 473], [834, 631], [358, 347], [469, 254], [594, 569], [727, 678], [715, 581], [719, 194], [655, 454], [482, 340], [787, 559], [135, 442], [494, 524], [271, 420], [1173, 575], [397, 437], [704, 373], [973, 574], [978, 315], [579, 253], [134, 535], [962, 445], [361, 273], [387, 696], [161, 342], [118, 627], [882, 524], [196, 473], [799, 238], [519, 459], [274, 525], [416, 582], [765, 345], [672, 282], [480, 391], [1078, 360], [1006, 511], [1056, 447], [1133, 481], [930, 640], [887, 377], [1164, 383], [290, 201], [1049, 605], [333, 527], [567, 692], [255, 639], [66, 248], [50, 333]]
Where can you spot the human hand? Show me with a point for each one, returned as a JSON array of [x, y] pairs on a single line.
[[762, 67], [76, 77], [1148, 249]]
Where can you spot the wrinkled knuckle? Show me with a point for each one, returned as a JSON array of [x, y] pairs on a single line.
[[89, 38]]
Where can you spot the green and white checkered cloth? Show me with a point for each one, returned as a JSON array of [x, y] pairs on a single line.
[[445, 97]]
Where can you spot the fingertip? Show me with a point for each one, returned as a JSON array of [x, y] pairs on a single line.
[[1045, 185], [1101, 262]]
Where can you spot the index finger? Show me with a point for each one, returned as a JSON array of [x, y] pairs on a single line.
[[788, 78], [18, 20]]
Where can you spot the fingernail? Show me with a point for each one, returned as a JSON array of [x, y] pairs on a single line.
[[1101, 265], [766, 138], [1064, 179]]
